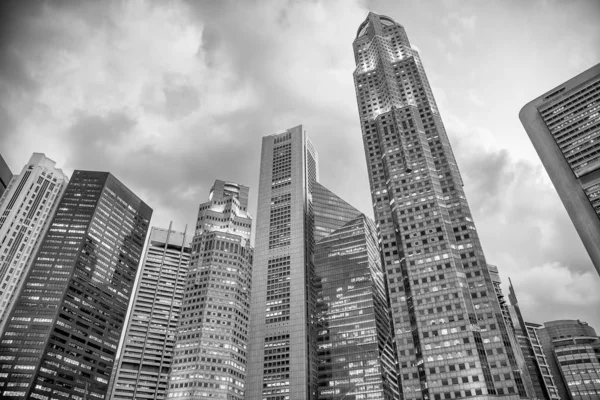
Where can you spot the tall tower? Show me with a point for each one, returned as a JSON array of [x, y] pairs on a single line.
[[146, 356], [62, 334], [25, 212], [564, 127], [450, 332], [282, 363], [211, 344]]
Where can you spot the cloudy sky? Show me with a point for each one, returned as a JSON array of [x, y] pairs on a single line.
[[171, 95]]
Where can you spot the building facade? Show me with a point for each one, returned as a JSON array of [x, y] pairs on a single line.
[[25, 212], [282, 359], [144, 364], [564, 127], [210, 353], [451, 336], [62, 334], [355, 340], [572, 349], [5, 175]]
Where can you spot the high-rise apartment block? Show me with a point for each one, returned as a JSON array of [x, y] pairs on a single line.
[[209, 360], [62, 334], [147, 353], [25, 212], [5, 175], [564, 127], [320, 325], [355, 339], [450, 332]]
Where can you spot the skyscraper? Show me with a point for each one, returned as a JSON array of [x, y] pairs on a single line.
[[282, 359], [317, 315], [355, 340], [25, 212], [450, 332], [564, 127], [146, 356], [62, 334], [210, 353], [5, 175]]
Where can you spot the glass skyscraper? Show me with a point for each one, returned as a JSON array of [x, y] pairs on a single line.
[[25, 212], [146, 356], [564, 127], [450, 332], [62, 334], [355, 342], [209, 360]]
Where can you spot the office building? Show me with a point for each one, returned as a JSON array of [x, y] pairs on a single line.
[[62, 334], [564, 127], [451, 336], [5, 175], [142, 370], [572, 349], [209, 360], [282, 353], [355, 339], [25, 212], [543, 384]]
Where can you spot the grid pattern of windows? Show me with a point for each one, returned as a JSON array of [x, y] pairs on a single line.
[[278, 290], [574, 121], [25, 210], [282, 293], [282, 166], [276, 368], [146, 356], [280, 221], [65, 327], [209, 358], [445, 310], [593, 194]]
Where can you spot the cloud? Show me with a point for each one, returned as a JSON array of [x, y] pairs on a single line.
[[169, 96]]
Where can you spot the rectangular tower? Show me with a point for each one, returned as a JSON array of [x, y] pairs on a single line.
[[25, 212], [146, 356], [450, 332], [62, 334], [210, 354], [564, 127], [282, 363]]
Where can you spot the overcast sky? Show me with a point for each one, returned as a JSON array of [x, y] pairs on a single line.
[[170, 95]]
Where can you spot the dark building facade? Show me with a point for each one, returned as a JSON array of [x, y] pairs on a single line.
[[5, 175], [209, 359], [142, 371], [450, 334], [62, 335], [355, 339], [564, 127]]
